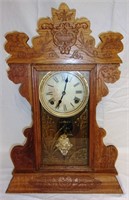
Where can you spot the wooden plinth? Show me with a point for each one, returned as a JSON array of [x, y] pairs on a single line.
[[66, 183]]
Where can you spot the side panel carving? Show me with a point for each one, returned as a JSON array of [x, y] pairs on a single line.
[[106, 73], [23, 157], [105, 156], [21, 73]]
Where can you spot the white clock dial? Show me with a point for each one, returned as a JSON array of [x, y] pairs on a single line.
[[63, 94]]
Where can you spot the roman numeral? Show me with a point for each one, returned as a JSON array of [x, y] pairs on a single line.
[[49, 93], [72, 105], [78, 91], [55, 79], [50, 85], [64, 107], [76, 84]]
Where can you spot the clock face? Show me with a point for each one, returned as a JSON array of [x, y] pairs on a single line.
[[63, 94]]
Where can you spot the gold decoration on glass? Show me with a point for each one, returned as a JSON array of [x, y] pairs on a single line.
[[64, 144]]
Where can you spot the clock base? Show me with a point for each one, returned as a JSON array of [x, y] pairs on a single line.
[[64, 183]]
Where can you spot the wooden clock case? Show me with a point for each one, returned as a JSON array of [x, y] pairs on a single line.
[[64, 43]]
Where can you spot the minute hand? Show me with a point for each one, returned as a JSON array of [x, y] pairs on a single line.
[[66, 81], [63, 93]]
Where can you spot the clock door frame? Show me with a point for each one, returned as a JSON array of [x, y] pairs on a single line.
[[36, 69], [64, 43]]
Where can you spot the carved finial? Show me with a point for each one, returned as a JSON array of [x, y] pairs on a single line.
[[63, 14]]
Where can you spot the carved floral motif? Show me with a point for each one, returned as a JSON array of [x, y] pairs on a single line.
[[108, 73], [66, 182], [21, 74], [63, 27], [108, 48], [61, 30]]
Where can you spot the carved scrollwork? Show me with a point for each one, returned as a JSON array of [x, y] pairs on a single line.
[[110, 44], [21, 74], [106, 74], [66, 182], [108, 48], [63, 27], [110, 73], [64, 36], [19, 49]]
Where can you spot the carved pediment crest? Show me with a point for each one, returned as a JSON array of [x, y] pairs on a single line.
[[64, 27], [64, 37]]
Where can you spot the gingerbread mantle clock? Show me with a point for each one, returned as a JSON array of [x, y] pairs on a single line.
[[64, 76]]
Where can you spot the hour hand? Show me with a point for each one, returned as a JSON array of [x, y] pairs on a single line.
[[58, 104]]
